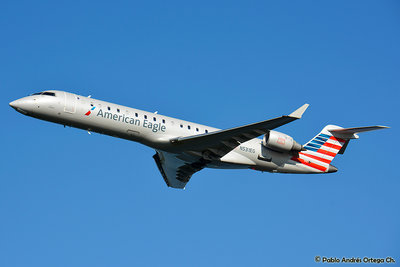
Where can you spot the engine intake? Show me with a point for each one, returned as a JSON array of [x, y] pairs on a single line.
[[280, 142]]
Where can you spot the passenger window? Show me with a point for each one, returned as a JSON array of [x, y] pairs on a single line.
[[181, 126], [118, 110], [145, 116], [189, 127], [197, 129], [163, 121], [91, 105], [154, 119], [206, 131], [108, 108], [136, 114]]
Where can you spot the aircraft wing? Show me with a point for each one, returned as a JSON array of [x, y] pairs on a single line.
[[176, 172], [216, 144]]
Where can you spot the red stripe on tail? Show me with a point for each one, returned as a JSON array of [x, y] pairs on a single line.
[[331, 154], [310, 164], [332, 146], [316, 157]]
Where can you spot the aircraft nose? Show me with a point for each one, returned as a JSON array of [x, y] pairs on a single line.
[[14, 104], [22, 105]]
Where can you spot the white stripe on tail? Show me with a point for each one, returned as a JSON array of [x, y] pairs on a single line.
[[320, 151]]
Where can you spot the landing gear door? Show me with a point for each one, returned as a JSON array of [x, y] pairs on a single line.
[[70, 102]]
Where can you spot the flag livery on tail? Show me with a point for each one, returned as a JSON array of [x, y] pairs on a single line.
[[320, 151]]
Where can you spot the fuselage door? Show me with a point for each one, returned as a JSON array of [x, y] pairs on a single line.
[[70, 102]]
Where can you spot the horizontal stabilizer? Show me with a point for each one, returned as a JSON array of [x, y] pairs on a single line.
[[351, 133]]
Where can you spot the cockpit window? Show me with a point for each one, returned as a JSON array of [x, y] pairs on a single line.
[[49, 93], [45, 93]]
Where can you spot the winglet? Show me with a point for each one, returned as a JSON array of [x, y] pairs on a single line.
[[299, 112]]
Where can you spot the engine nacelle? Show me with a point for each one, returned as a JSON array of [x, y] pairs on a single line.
[[280, 142]]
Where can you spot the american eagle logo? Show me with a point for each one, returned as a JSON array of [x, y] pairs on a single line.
[[90, 111], [281, 141]]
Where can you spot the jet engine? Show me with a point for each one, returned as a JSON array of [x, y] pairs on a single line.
[[280, 142]]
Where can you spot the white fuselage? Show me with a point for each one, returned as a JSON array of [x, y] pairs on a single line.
[[151, 129]]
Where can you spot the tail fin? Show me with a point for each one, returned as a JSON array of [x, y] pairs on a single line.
[[332, 140], [325, 146]]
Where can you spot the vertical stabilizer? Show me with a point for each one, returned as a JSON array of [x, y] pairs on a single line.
[[324, 147]]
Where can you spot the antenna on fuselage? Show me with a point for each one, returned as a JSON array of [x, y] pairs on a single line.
[[89, 96], [156, 112]]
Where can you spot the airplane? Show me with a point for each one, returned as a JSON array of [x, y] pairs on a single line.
[[184, 148]]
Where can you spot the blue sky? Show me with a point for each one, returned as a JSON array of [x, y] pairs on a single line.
[[72, 199]]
